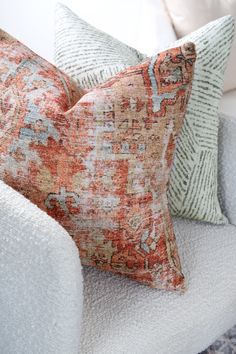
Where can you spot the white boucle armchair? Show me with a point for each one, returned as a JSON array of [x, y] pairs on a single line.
[[40, 281], [40, 273]]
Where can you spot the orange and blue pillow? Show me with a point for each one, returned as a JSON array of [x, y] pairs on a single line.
[[99, 161]]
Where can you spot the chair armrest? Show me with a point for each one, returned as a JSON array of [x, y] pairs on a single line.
[[40, 281], [227, 166]]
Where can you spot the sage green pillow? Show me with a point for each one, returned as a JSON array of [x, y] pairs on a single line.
[[91, 56], [193, 182]]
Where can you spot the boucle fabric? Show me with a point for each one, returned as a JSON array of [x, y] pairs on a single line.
[[193, 184], [123, 317], [101, 167], [40, 281]]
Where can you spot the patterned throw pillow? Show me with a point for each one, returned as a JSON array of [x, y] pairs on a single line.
[[101, 167], [193, 182], [88, 55]]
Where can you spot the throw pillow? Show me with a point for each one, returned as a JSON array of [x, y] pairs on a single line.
[[193, 183], [147, 30], [188, 15], [88, 55], [100, 168]]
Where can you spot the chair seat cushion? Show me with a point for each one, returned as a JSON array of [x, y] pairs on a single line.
[[121, 316]]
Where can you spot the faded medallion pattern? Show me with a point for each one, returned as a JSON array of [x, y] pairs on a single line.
[[99, 166]]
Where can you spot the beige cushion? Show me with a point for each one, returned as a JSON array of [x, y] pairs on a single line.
[[189, 15]]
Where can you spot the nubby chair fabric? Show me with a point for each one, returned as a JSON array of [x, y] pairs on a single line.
[[136, 319], [41, 292]]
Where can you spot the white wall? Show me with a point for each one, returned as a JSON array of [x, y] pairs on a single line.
[[139, 23], [31, 22]]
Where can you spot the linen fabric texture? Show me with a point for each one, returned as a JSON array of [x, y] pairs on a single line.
[[100, 166], [193, 182]]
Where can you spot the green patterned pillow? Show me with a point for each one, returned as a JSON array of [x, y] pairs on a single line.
[[87, 54], [91, 56], [193, 183]]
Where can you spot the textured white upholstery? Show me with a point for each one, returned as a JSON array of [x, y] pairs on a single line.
[[122, 317], [40, 281]]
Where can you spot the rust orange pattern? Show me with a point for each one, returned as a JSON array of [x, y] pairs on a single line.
[[99, 162]]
